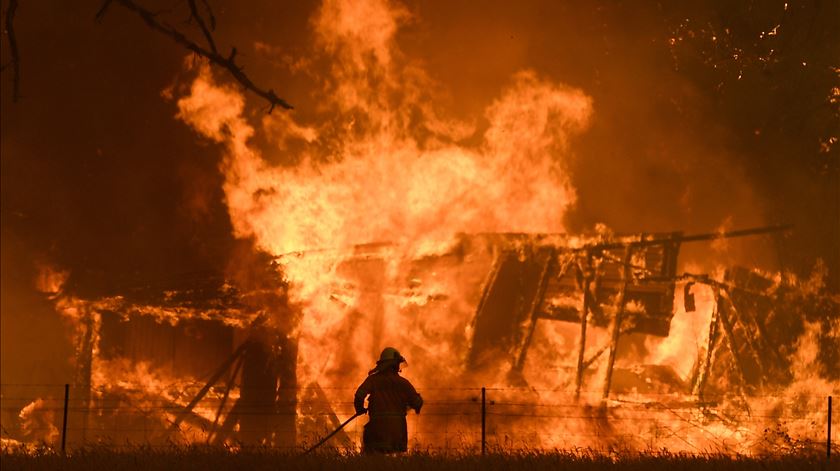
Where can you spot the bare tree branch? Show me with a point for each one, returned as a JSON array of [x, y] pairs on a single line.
[[227, 63], [102, 10], [13, 49], [198, 19], [210, 14]]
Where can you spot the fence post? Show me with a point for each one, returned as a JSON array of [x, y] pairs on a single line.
[[483, 420], [64, 423], [828, 434]]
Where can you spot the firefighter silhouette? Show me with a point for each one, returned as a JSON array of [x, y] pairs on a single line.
[[390, 397]]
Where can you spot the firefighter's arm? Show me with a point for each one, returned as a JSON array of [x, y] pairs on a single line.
[[359, 398], [417, 404], [414, 400]]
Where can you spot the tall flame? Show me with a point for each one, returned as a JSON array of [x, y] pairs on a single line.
[[375, 172], [385, 165]]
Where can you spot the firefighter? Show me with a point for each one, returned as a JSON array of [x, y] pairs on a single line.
[[391, 396]]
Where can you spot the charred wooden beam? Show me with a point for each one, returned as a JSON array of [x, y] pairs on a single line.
[[190, 418], [731, 344], [708, 360], [616, 323], [210, 383], [588, 362], [225, 396], [678, 238], [508, 297], [584, 320], [335, 423], [488, 285], [533, 311], [748, 333], [229, 425]]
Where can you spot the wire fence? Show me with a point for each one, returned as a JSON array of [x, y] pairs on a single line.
[[467, 419]]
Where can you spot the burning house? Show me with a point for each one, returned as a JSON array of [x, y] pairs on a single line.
[[415, 199], [201, 360]]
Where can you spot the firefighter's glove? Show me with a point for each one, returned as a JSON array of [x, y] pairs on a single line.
[[361, 411]]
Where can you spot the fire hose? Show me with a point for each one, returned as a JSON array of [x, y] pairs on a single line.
[[324, 440]]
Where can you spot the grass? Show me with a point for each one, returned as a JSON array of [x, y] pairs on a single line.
[[202, 458]]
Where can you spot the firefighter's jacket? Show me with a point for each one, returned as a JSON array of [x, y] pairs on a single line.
[[391, 396]]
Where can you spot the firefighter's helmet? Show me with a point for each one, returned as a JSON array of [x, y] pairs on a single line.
[[390, 355]]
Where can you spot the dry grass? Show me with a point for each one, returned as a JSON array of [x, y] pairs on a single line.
[[203, 458]]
